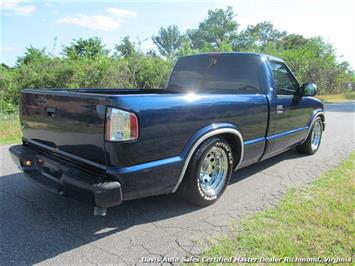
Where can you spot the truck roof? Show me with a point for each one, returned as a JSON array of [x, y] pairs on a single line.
[[269, 57]]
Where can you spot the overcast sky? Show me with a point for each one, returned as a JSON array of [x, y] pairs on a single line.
[[52, 24]]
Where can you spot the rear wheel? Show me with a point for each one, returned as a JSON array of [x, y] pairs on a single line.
[[312, 143], [208, 173]]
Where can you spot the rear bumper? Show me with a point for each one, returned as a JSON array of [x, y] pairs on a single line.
[[64, 178]]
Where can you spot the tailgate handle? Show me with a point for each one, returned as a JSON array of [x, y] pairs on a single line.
[[51, 111]]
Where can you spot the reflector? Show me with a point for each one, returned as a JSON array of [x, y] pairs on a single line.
[[27, 163]]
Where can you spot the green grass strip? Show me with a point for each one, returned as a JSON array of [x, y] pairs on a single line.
[[317, 221]]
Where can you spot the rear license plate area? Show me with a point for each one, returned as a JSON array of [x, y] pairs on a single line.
[[49, 168]]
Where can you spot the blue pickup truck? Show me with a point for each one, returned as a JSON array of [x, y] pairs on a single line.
[[219, 112]]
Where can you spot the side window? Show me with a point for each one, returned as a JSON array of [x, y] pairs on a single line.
[[284, 82]]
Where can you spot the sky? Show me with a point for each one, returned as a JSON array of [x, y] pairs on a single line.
[[54, 24]]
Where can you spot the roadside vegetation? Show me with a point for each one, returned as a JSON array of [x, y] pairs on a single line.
[[339, 97], [10, 131], [314, 222]]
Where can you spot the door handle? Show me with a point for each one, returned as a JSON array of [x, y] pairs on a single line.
[[279, 109]]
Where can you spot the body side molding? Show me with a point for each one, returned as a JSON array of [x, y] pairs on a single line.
[[202, 139]]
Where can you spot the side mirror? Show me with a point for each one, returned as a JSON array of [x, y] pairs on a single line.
[[308, 89]]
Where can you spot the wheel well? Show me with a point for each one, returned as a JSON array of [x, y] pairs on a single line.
[[232, 136], [236, 146], [323, 120]]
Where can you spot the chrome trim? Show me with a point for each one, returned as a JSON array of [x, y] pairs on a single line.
[[311, 125], [213, 171], [202, 139]]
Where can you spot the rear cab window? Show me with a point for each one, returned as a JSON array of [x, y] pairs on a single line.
[[239, 74]]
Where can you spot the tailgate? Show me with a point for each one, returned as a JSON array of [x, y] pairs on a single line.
[[70, 122]]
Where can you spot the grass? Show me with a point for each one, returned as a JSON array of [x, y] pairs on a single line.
[[318, 221], [336, 98], [10, 131]]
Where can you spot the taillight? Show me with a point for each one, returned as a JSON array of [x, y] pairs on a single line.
[[120, 125]]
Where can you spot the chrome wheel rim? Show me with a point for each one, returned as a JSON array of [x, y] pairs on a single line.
[[316, 136], [213, 171]]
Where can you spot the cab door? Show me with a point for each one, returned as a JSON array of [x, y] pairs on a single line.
[[288, 115]]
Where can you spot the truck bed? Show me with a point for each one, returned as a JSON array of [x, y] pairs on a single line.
[[71, 121]]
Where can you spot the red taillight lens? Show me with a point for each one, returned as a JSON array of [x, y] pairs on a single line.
[[120, 125], [134, 126]]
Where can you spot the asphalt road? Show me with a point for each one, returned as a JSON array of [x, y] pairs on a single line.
[[38, 227]]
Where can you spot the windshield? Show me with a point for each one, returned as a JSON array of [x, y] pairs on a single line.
[[215, 72]]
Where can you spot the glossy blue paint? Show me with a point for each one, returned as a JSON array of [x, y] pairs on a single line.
[[146, 166], [152, 178], [176, 120]]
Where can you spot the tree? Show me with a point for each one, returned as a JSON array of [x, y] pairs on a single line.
[[257, 37], [216, 32], [168, 41], [126, 48], [292, 41], [151, 53], [32, 54], [91, 47], [312, 59], [3, 65], [186, 47]]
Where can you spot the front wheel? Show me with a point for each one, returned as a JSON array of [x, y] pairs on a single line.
[[312, 143], [209, 172]]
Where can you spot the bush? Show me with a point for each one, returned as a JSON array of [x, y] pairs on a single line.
[[137, 71], [9, 91], [350, 95]]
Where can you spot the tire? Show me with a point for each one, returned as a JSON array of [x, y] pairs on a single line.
[[312, 143], [210, 167]]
